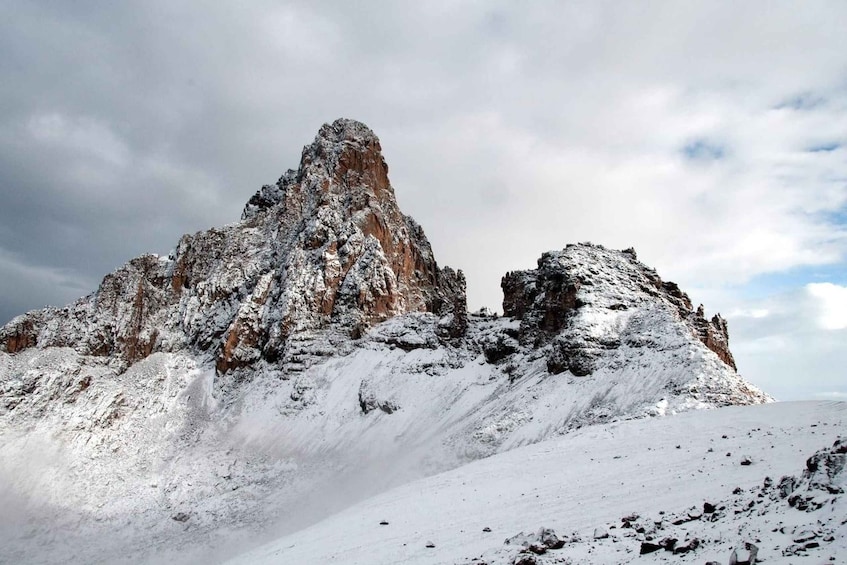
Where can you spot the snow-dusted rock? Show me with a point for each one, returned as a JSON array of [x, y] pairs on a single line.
[[326, 245], [582, 297]]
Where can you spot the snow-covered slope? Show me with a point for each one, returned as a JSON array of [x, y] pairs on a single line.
[[270, 373], [168, 455], [630, 481]]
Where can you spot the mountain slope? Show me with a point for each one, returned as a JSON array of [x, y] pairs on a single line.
[[660, 471], [195, 400]]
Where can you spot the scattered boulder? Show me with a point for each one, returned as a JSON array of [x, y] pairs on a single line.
[[601, 533], [689, 545], [630, 518], [549, 539], [430, 545], [786, 486], [804, 535], [668, 544], [537, 549], [180, 517], [746, 461], [370, 401], [744, 555], [649, 547], [539, 542]]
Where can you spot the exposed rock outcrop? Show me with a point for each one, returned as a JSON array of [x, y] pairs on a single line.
[[325, 246], [580, 299]]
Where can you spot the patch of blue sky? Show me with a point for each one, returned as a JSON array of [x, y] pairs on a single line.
[[793, 279], [804, 101], [824, 147], [703, 150], [836, 217]]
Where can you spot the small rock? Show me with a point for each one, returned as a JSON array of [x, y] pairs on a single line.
[[600, 533], [430, 545], [668, 543], [708, 508], [744, 555], [525, 559], [486, 529], [746, 461], [649, 547], [384, 523], [804, 535], [537, 548], [689, 545], [549, 539], [180, 517], [786, 486]]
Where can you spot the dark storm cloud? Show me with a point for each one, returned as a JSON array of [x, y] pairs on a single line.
[[125, 126]]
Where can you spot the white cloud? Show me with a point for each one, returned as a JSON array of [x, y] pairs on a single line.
[[832, 395], [84, 135], [832, 304]]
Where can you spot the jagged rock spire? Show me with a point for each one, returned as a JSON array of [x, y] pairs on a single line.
[[325, 245]]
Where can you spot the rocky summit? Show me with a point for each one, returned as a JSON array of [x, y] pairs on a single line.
[[317, 346], [324, 246], [585, 288]]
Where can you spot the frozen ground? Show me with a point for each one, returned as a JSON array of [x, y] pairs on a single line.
[[658, 469]]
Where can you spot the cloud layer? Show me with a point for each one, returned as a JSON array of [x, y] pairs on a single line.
[[711, 137]]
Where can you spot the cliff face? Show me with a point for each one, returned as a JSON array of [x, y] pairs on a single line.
[[325, 246], [579, 299]]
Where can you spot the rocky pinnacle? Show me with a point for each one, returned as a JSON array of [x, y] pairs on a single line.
[[325, 246]]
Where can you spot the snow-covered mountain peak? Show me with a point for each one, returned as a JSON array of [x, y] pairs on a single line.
[[316, 346], [325, 246], [342, 167]]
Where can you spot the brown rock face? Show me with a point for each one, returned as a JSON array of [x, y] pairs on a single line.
[[325, 246], [571, 299], [20, 335], [714, 334]]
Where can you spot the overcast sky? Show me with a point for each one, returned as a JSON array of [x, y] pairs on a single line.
[[710, 136]]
